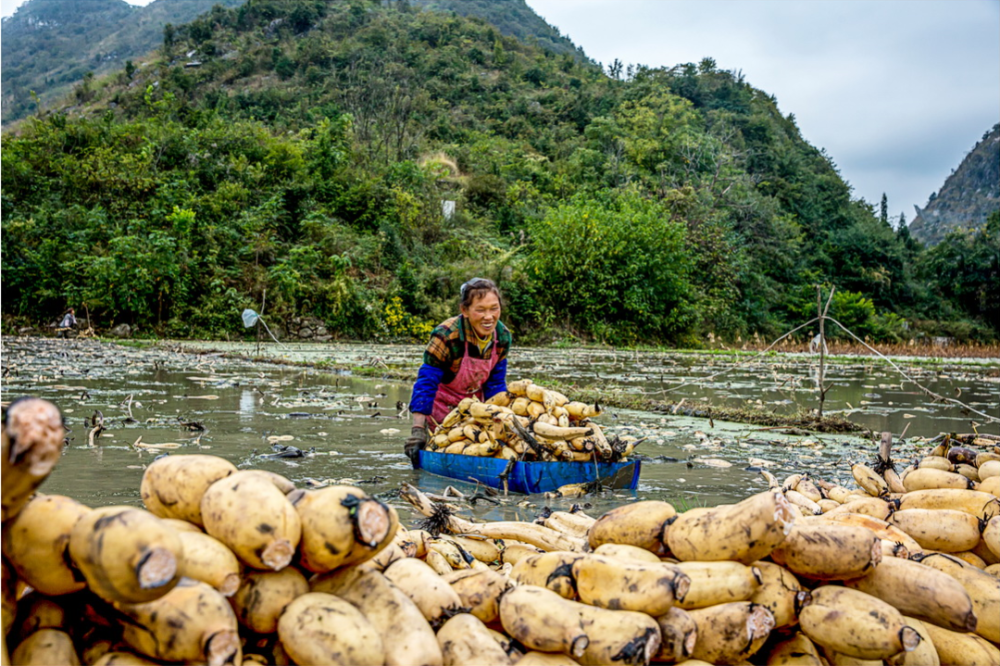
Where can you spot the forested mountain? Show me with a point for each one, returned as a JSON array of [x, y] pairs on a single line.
[[305, 148], [968, 196], [49, 45]]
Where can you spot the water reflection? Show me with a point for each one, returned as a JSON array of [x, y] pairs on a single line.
[[248, 404]]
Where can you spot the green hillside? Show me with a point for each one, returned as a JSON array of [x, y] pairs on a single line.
[[304, 148], [50, 45]]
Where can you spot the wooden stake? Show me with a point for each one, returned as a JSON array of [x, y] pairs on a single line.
[[821, 311], [885, 448]]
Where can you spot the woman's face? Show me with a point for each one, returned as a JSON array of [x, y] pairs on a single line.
[[483, 314]]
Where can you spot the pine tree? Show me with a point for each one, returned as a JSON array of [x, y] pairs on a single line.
[[910, 244]]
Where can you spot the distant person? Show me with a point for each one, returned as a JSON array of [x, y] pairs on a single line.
[[466, 356], [67, 324]]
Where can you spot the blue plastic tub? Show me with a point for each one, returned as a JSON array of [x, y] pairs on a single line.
[[528, 477]]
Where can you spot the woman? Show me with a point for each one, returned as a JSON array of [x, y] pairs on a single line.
[[67, 324], [466, 356]]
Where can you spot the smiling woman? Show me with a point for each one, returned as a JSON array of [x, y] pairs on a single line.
[[466, 356]]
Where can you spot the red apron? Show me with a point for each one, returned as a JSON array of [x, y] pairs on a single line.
[[472, 374]]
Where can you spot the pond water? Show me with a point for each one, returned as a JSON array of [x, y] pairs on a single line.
[[352, 427]]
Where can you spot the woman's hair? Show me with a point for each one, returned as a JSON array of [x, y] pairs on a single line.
[[477, 288]]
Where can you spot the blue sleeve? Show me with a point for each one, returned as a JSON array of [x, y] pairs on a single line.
[[425, 389], [497, 380]]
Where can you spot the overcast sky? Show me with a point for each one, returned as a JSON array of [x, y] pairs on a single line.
[[896, 91]]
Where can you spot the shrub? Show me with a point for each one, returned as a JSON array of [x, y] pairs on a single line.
[[613, 267]]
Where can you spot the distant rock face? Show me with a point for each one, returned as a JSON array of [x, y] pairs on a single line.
[[121, 331], [968, 196], [309, 328]]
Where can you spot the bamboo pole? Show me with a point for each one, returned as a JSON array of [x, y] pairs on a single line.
[[263, 302], [821, 312]]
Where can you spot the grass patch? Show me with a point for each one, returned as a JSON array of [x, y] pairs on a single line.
[[399, 374], [133, 344], [683, 504]]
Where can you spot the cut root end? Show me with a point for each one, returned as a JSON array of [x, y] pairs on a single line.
[[230, 585], [278, 554], [689, 642], [784, 514], [156, 568], [876, 552], [579, 645], [681, 584], [222, 647], [35, 432], [910, 639], [760, 622], [372, 522]]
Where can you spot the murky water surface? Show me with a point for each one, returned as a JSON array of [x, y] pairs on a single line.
[[200, 398]]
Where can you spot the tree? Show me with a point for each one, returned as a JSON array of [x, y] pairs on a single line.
[[615, 69], [883, 210], [964, 270], [616, 267], [499, 55], [911, 247]]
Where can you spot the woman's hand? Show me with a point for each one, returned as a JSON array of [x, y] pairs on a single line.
[[415, 442]]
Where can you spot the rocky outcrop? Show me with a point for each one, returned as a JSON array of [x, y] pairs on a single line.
[[120, 331], [968, 196], [308, 328]]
